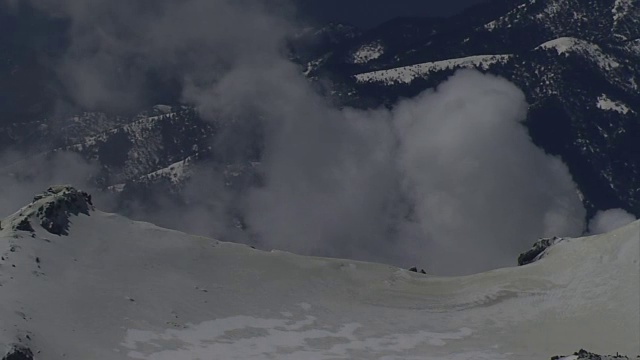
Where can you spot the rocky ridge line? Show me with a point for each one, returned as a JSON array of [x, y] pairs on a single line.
[[51, 210]]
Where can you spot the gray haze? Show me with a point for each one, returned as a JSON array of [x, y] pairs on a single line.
[[367, 13], [605, 221], [449, 181], [20, 180], [477, 180]]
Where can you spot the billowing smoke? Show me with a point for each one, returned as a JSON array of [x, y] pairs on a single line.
[[21, 179], [120, 50], [449, 180], [477, 180], [609, 220]]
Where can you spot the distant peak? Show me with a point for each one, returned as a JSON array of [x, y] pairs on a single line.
[[51, 210]]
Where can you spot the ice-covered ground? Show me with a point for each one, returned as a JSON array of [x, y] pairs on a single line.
[[120, 289]]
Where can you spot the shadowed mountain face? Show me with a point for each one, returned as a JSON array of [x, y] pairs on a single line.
[[576, 62]]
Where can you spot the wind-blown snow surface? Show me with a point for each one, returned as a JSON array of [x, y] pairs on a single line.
[[119, 289]]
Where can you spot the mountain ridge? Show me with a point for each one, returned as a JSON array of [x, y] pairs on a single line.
[[577, 63], [579, 75], [164, 293]]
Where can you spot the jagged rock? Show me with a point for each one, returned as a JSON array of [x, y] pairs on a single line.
[[18, 352], [415, 269], [24, 225], [585, 355], [52, 210], [537, 250]]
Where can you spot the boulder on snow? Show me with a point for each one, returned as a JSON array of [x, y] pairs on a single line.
[[538, 250]]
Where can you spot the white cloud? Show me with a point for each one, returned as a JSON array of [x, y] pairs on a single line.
[[483, 191], [449, 181], [609, 220]]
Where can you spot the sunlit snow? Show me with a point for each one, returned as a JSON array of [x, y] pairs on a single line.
[[120, 289], [367, 53], [407, 74], [566, 45]]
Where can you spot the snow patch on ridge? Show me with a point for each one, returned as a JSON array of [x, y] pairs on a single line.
[[177, 172], [506, 19], [620, 9], [52, 210], [605, 103], [561, 45], [566, 45], [315, 64], [407, 74], [367, 53]]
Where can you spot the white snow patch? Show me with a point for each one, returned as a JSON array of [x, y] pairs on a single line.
[[246, 337], [620, 9], [567, 45], [117, 188], [176, 172], [367, 53], [561, 45], [605, 103], [314, 65], [506, 19], [407, 74], [162, 109]]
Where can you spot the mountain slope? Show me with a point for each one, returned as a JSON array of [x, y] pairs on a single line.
[[576, 62], [118, 289]]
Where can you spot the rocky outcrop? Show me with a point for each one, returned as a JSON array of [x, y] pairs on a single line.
[[52, 210], [18, 352], [585, 355], [415, 269], [537, 251]]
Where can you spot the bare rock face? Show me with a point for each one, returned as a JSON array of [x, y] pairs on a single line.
[[52, 210], [585, 355], [18, 352], [537, 251]]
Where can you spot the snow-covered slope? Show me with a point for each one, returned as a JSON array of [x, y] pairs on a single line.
[[118, 289], [406, 74], [577, 62]]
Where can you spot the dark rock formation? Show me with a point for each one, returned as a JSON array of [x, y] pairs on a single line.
[[52, 209], [585, 355], [18, 352], [65, 201], [415, 269], [537, 250], [24, 225]]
